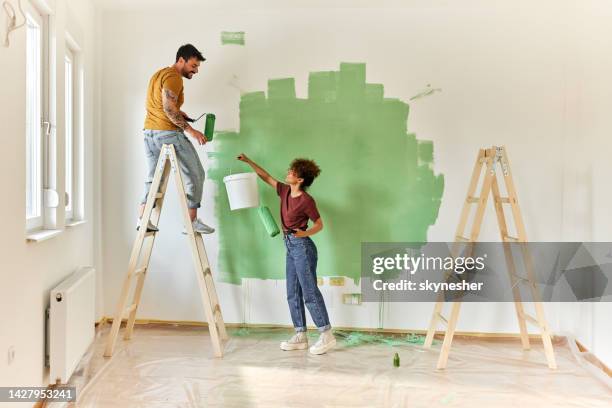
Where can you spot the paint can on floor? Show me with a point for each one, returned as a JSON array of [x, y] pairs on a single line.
[[242, 190]]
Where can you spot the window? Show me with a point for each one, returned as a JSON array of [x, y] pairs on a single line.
[[74, 142], [34, 120], [69, 132]]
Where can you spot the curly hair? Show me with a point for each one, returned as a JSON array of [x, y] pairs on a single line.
[[305, 169]]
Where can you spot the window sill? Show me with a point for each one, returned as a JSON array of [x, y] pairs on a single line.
[[41, 235], [74, 223]]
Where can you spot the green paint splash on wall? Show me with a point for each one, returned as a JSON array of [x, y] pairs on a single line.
[[377, 181], [232, 37]]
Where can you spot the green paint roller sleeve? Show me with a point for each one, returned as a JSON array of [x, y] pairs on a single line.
[[268, 221], [209, 127]]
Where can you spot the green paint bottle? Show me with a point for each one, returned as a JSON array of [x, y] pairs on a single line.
[[209, 128], [396, 361], [268, 221]]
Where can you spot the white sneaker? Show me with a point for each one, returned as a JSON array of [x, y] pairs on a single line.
[[199, 227], [299, 341], [150, 227], [326, 342]]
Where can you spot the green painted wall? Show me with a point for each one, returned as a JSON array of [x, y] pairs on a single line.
[[377, 181], [232, 37]]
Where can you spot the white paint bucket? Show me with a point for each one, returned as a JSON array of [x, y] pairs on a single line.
[[242, 190]]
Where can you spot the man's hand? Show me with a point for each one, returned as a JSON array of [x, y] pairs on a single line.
[[197, 135], [243, 157]]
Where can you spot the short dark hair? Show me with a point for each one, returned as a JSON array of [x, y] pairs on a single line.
[[305, 169], [188, 51]]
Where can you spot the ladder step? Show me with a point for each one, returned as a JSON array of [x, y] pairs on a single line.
[[508, 238], [461, 239], [149, 234], [139, 271], [506, 200], [159, 195], [130, 308], [472, 200], [443, 319], [217, 313], [531, 319]]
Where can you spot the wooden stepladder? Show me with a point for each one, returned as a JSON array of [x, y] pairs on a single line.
[[491, 159], [141, 255]]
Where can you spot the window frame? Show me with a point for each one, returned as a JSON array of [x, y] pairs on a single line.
[[77, 162], [35, 118], [69, 133]]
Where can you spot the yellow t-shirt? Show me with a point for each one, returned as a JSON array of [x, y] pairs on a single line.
[[156, 117]]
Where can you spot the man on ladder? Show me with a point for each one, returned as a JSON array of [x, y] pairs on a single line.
[[165, 123]]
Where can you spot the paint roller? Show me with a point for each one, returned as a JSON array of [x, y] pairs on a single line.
[[268, 221], [209, 126]]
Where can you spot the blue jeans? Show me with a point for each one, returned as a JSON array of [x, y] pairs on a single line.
[[189, 162], [301, 264]]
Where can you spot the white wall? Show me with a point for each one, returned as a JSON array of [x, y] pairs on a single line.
[[29, 270], [588, 165], [528, 75], [502, 70]]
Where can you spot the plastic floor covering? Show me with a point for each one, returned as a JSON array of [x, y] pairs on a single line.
[[173, 366]]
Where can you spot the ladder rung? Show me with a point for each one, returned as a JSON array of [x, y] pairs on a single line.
[[461, 239], [508, 238], [443, 319], [217, 312], [130, 308], [149, 233], [139, 271], [531, 319], [473, 199], [159, 195], [207, 271], [506, 200]]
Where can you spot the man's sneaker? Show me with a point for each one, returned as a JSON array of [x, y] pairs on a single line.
[[150, 227], [325, 343], [200, 228], [299, 341]]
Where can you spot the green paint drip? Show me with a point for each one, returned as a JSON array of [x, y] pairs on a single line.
[[241, 332], [352, 339], [426, 92], [377, 181], [232, 37]]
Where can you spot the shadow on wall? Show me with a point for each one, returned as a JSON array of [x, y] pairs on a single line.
[[377, 181]]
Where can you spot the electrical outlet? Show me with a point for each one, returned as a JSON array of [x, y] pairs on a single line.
[[11, 355], [351, 298], [336, 281]]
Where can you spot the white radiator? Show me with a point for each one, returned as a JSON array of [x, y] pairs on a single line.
[[71, 323]]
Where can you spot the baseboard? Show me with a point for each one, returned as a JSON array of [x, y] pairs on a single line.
[[485, 335]]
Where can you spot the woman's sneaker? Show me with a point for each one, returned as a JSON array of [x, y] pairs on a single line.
[[299, 341], [326, 342], [199, 227]]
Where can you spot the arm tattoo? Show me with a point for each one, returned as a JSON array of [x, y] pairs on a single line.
[[169, 101]]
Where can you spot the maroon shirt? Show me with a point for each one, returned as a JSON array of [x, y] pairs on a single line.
[[295, 211]]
